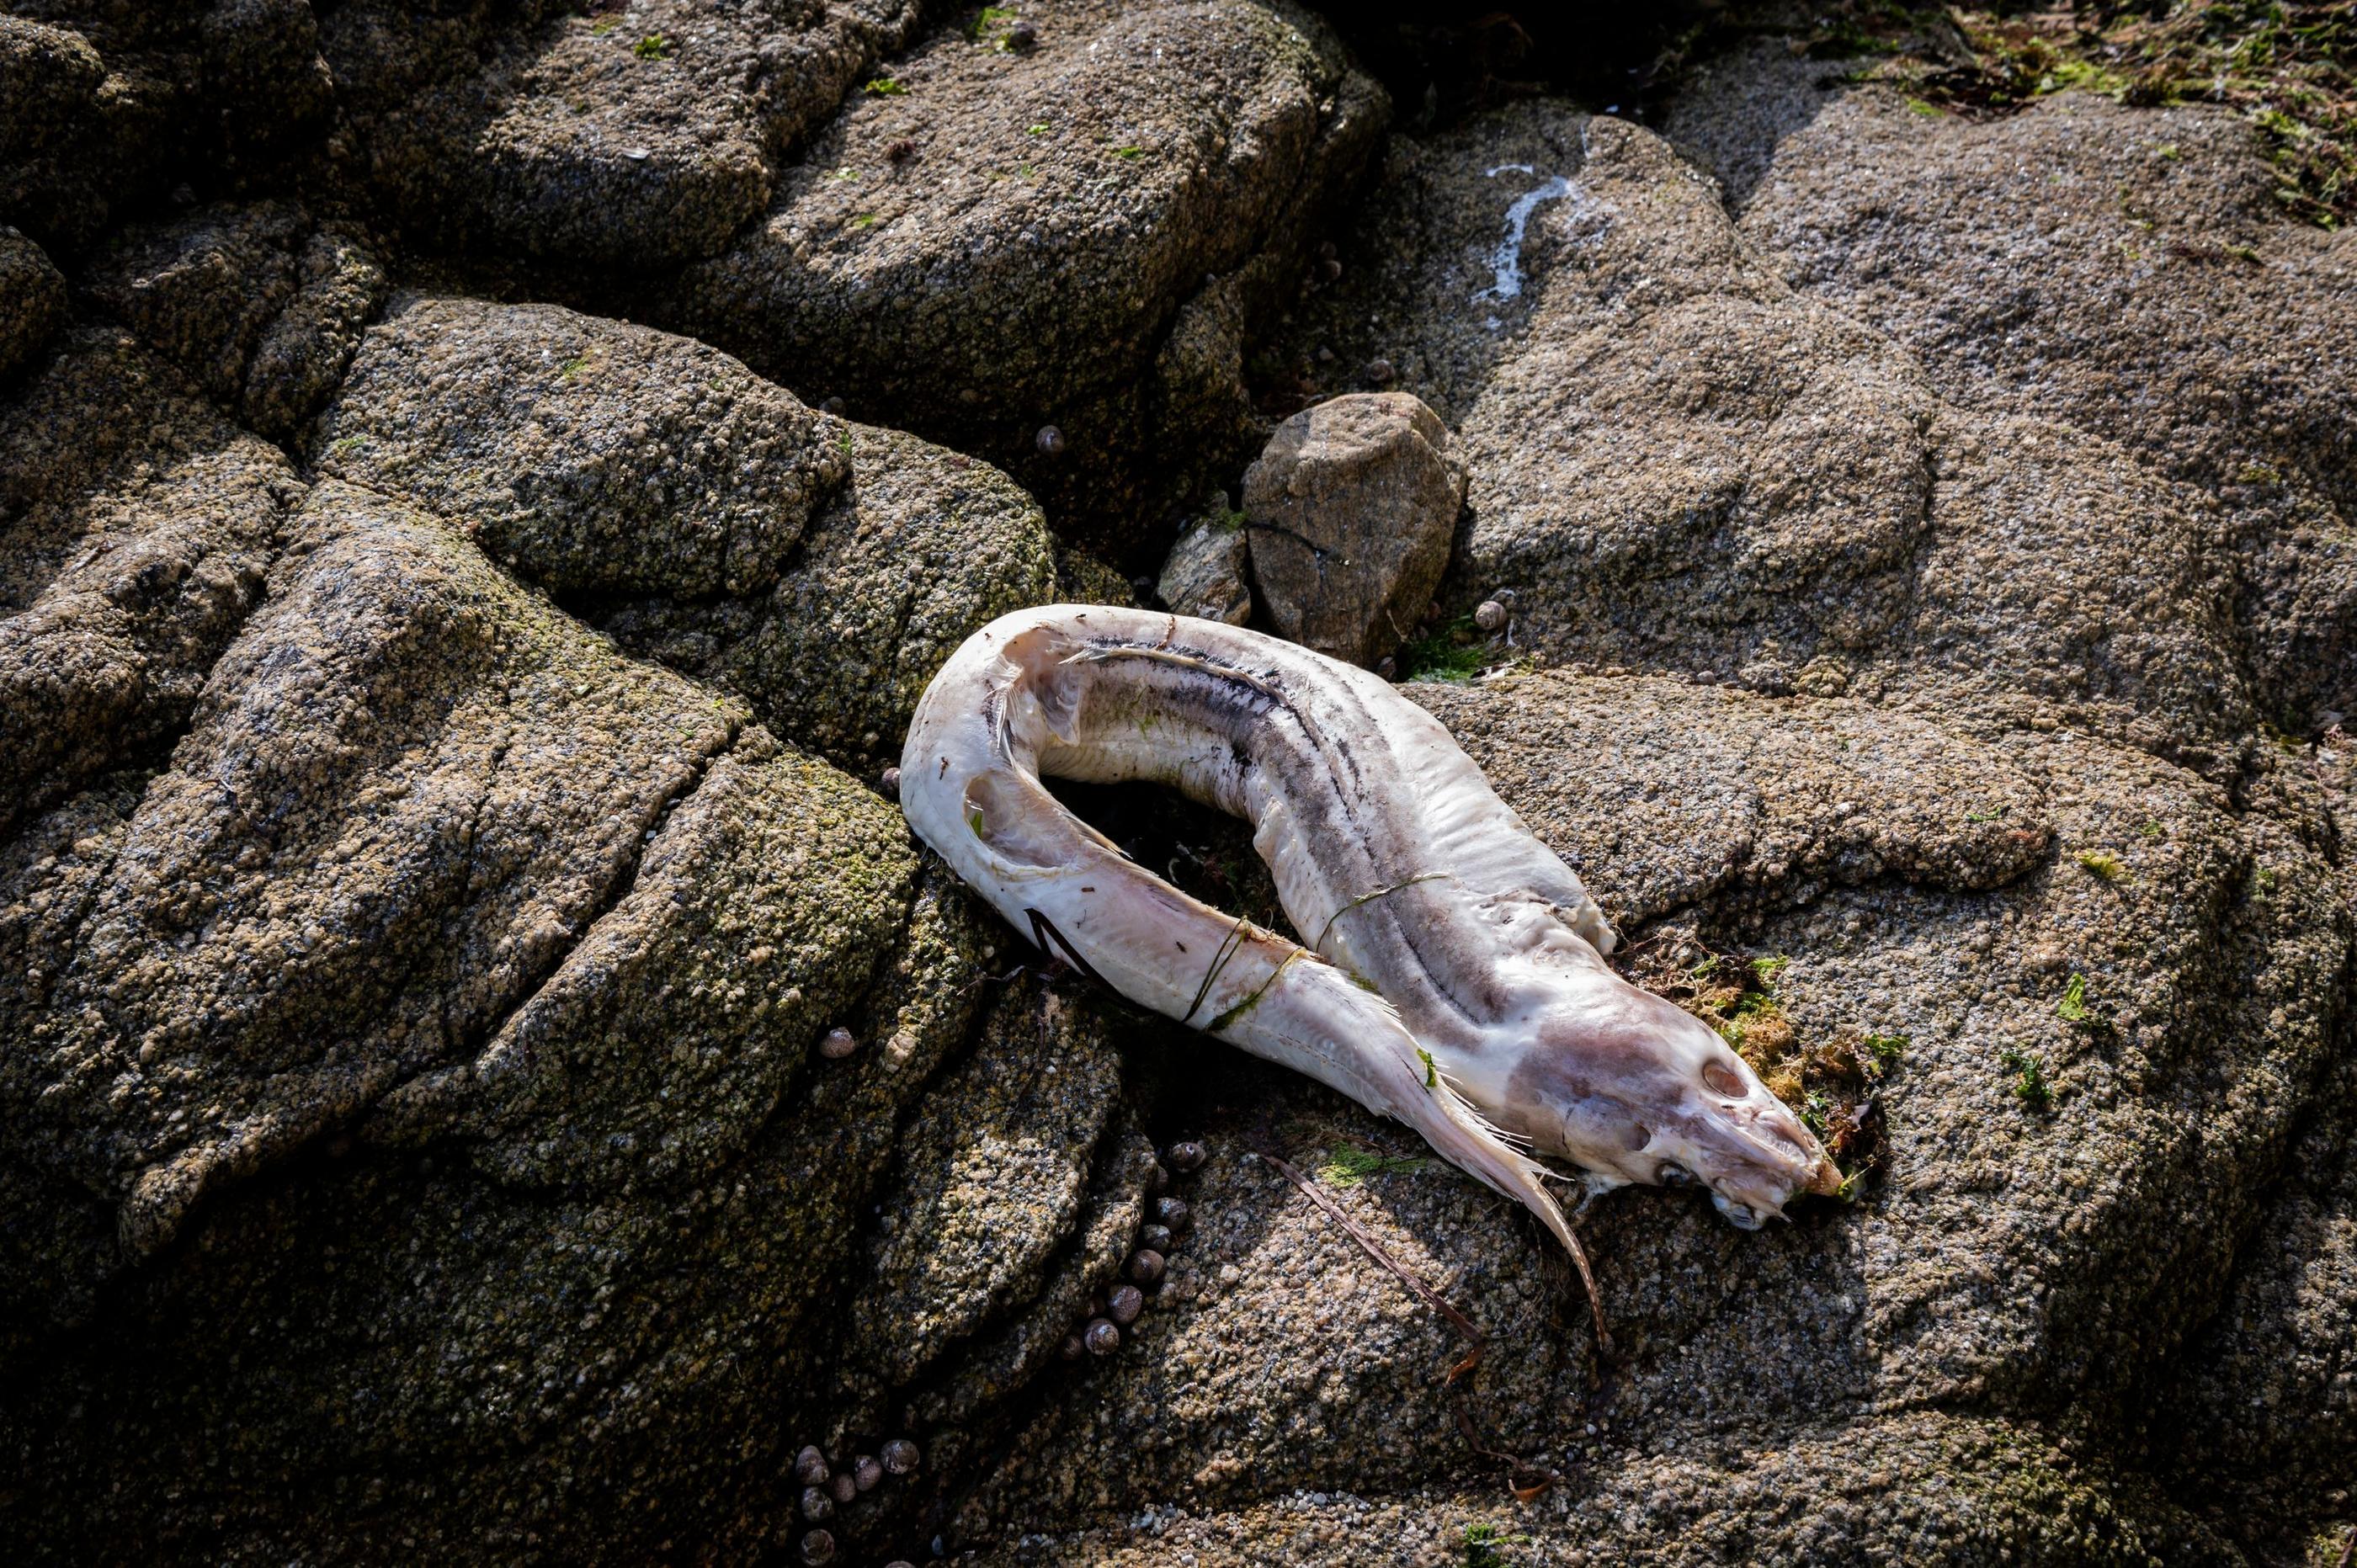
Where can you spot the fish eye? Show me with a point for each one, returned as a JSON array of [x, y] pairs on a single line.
[[1723, 1080]]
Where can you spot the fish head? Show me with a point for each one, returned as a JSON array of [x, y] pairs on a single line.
[[1632, 1087]]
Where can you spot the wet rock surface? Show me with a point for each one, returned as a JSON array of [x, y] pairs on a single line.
[[487, 1075]]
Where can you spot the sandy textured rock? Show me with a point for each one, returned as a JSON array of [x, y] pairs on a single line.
[[2123, 272], [259, 305], [32, 302], [1351, 508], [135, 525], [1680, 465], [1002, 239], [635, 137]]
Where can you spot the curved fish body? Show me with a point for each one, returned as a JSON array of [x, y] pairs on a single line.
[[1455, 976]]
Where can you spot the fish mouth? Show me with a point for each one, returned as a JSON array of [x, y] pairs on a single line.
[[1748, 1205]]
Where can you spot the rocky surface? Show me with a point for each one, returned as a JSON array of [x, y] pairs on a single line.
[[489, 1075], [2129, 273], [1074, 234], [1349, 512]]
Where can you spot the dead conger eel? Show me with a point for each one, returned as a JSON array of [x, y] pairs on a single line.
[[1455, 978]]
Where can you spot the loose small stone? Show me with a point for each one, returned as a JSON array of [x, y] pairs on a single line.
[[839, 1043], [892, 782], [1050, 441], [1380, 372], [1186, 1157], [1173, 1213], [1124, 1305], [865, 1472], [834, 406], [1490, 615], [817, 1546], [1023, 35], [1155, 1238], [810, 1467], [818, 1504], [1145, 1267], [846, 1489], [1157, 1179], [1103, 1338], [901, 1457], [900, 149]]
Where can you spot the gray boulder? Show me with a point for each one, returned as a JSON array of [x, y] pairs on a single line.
[[1352, 509]]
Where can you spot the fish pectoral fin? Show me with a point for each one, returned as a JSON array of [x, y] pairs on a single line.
[[1455, 1126]]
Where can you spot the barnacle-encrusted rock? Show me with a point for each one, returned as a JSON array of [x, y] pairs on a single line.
[[631, 138], [260, 305], [699, 513], [32, 302], [1077, 236], [102, 105], [1351, 508], [136, 525]]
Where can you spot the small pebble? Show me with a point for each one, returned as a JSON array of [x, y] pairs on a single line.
[[846, 1487], [1173, 1213], [1050, 441], [900, 149], [834, 406], [892, 782], [1157, 1179], [1023, 35], [839, 1043], [865, 1472], [818, 1504], [810, 1467], [901, 1457], [1102, 1337], [1145, 1267], [1186, 1157], [1124, 1305], [1155, 1238], [1380, 372], [1074, 1348], [1329, 269], [1490, 615], [817, 1546]]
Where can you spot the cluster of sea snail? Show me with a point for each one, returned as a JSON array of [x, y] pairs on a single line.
[[826, 1487], [1111, 1311]]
